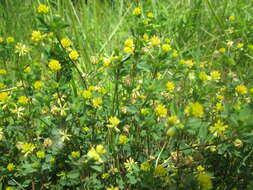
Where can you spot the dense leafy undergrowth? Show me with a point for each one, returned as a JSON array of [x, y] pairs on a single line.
[[145, 117]]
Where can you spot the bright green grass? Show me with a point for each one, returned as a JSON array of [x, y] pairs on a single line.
[[198, 27]]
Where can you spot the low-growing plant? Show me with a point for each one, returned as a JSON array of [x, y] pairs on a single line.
[[147, 116]]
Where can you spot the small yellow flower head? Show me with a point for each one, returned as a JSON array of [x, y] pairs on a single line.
[[42, 9], [25, 147], [10, 167], [160, 171], [170, 86], [96, 102], [218, 129], [145, 37], [204, 181], [241, 89], [1, 39], [231, 18], [100, 149], [171, 131], [106, 62], [155, 41], [10, 39], [27, 69], [172, 120], [129, 42], [145, 166], [87, 94], [137, 11], [251, 90], [73, 55], [8, 188], [200, 168], [75, 154], [38, 84], [150, 15], [21, 49], [144, 111], [112, 188], [65, 42], [40, 154], [215, 75], [174, 53], [123, 139], [219, 107], [54, 65], [3, 72], [128, 50], [222, 50], [238, 143], [23, 100], [36, 36], [203, 76], [4, 96], [195, 109], [114, 122], [130, 164], [166, 47], [161, 110], [93, 155], [240, 45], [105, 175]]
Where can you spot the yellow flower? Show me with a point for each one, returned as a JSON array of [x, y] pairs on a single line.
[[10, 167], [137, 11], [54, 65], [10, 39], [174, 53], [203, 76], [96, 102], [23, 100], [145, 166], [38, 84], [75, 154], [204, 181], [112, 188], [161, 110], [166, 47], [36, 36], [222, 50], [3, 72], [65, 42], [27, 69], [25, 147], [128, 50], [87, 94], [1, 39], [21, 49], [145, 37], [240, 45], [114, 122], [42, 9], [219, 107], [130, 164], [200, 168], [150, 15], [231, 18], [195, 109], [4, 96], [105, 176], [215, 75], [238, 143], [144, 111], [173, 120], [8, 188], [100, 149], [160, 171], [123, 139], [170, 86], [155, 40], [73, 55], [40, 154], [218, 128], [241, 89]]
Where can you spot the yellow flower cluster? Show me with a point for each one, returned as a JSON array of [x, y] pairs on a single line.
[[25, 147], [73, 55], [129, 46], [36, 36], [195, 109], [218, 129], [161, 110], [54, 65], [65, 42], [43, 9], [95, 153]]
